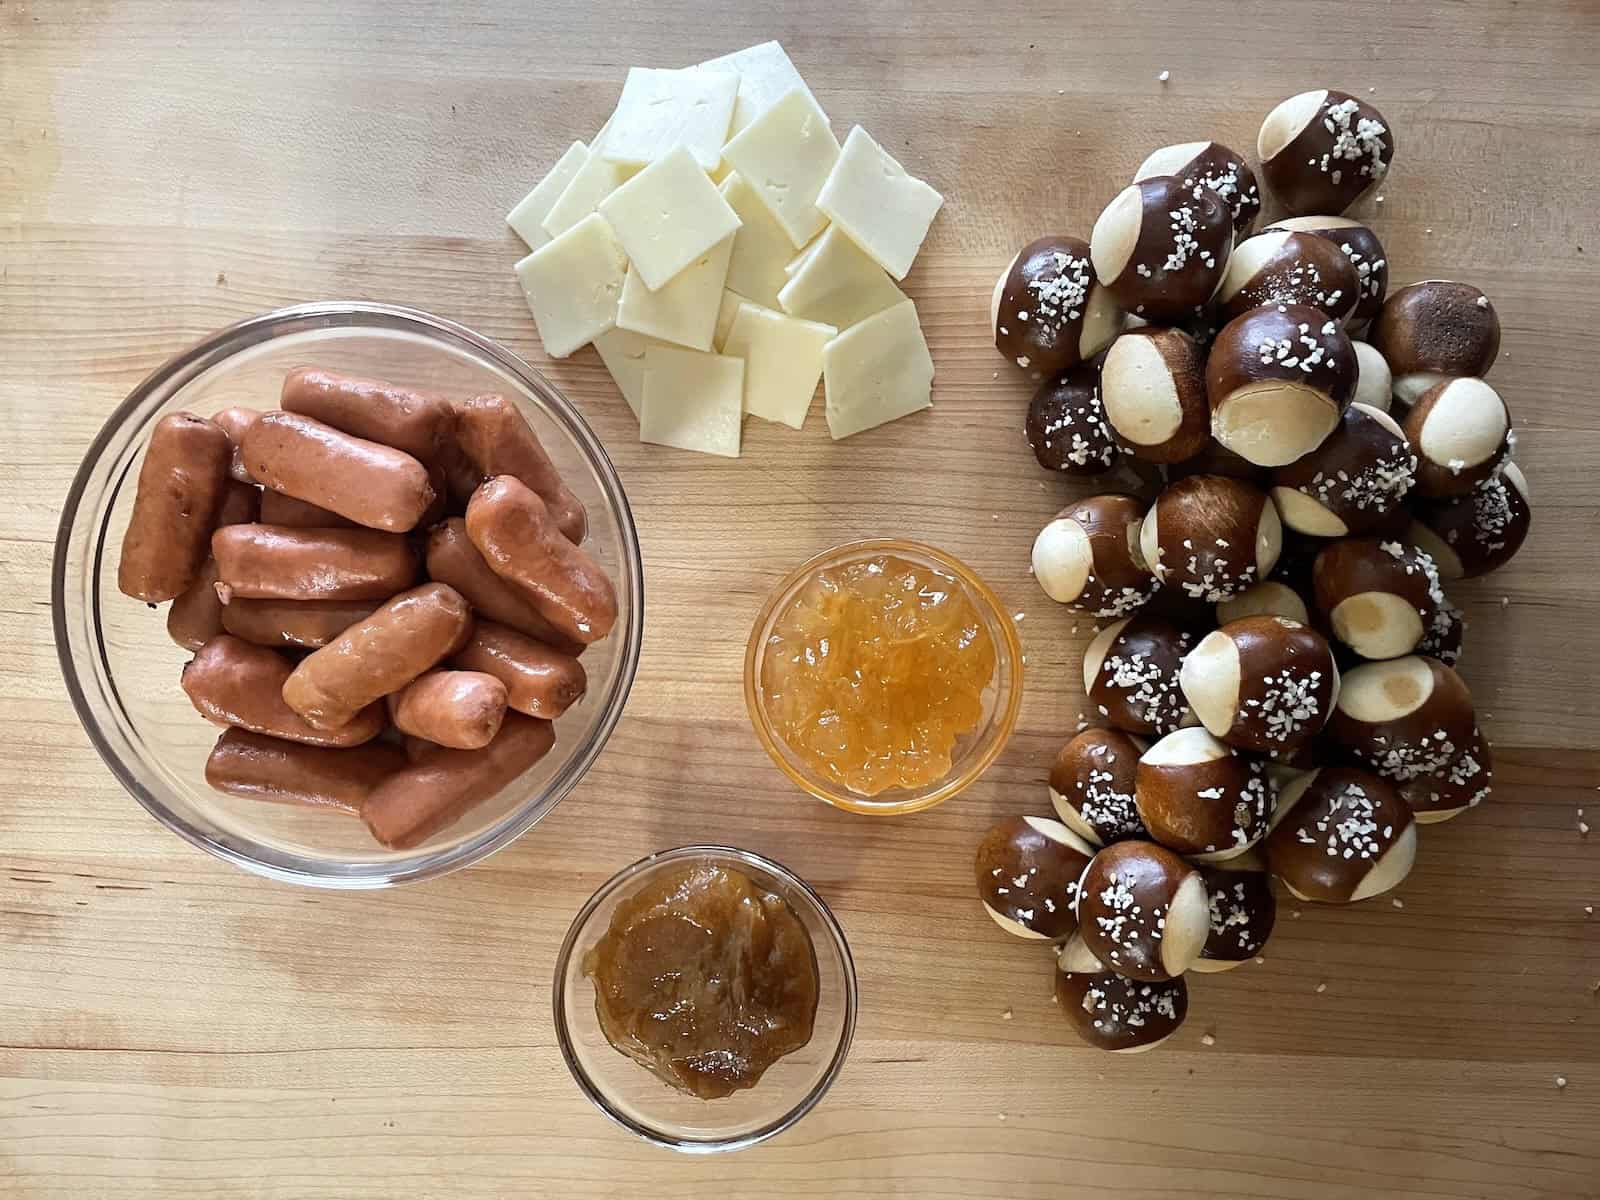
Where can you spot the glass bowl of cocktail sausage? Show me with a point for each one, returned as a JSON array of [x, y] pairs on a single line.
[[347, 595]]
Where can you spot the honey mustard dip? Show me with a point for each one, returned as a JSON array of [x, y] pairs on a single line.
[[705, 979]]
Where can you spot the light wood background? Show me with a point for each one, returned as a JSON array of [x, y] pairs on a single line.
[[171, 1027]]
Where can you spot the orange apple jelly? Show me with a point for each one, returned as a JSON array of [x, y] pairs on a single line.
[[874, 669]]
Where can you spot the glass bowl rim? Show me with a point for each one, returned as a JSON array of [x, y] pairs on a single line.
[[1006, 714], [218, 347], [565, 964]]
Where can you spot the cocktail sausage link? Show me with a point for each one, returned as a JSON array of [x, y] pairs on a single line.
[[370, 483], [181, 486], [440, 786], [275, 562], [512, 528], [379, 655], [497, 440]]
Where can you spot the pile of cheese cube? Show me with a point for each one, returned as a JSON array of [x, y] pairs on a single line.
[[722, 252]]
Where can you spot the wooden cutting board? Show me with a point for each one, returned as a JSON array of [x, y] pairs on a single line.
[[171, 1027]]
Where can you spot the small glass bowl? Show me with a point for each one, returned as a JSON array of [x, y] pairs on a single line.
[[122, 671], [641, 1103], [1002, 699]]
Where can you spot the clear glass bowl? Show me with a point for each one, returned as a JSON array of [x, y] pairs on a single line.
[[1002, 699], [122, 670], [644, 1105]]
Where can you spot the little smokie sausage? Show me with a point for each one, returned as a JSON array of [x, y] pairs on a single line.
[[292, 624], [379, 655], [453, 559], [459, 709], [273, 562], [539, 681], [440, 785], [196, 614], [497, 440], [267, 768], [416, 422], [181, 486], [512, 529], [234, 422], [278, 509], [372, 484], [231, 682]]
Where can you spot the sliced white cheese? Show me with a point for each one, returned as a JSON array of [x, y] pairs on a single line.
[[591, 183], [725, 316], [799, 260], [685, 309], [766, 75], [623, 353], [877, 371], [661, 109], [782, 362], [668, 216], [527, 218], [838, 285], [785, 155], [883, 209], [692, 401], [573, 285], [761, 248]]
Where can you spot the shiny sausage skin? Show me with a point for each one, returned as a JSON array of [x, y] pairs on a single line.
[[181, 486], [441, 785], [272, 562], [539, 681], [453, 559], [231, 682], [379, 655], [241, 504], [196, 614], [497, 440], [268, 768], [278, 509], [512, 529], [370, 483], [415, 422], [292, 624], [459, 709], [234, 422]]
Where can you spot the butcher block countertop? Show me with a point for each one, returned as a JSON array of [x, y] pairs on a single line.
[[173, 1027]]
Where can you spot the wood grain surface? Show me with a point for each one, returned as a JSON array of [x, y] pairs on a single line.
[[171, 1027]]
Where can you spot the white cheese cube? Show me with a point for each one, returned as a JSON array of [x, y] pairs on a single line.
[[591, 183], [623, 353], [761, 248], [692, 401], [877, 371], [685, 309], [884, 210], [782, 362], [838, 285], [662, 109], [573, 285], [725, 316], [785, 155], [766, 75], [668, 216], [527, 218]]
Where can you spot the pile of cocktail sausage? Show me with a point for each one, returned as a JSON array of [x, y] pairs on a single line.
[[385, 590]]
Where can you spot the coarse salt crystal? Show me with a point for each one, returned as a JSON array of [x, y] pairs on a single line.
[[1207, 1040], [1321, 987], [1164, 76]]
